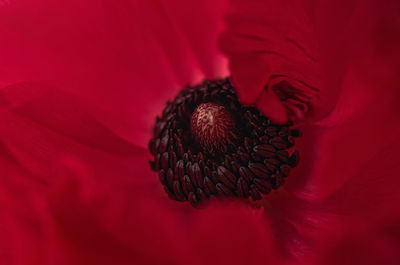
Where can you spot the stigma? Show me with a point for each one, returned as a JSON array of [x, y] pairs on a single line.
[[213, 127]]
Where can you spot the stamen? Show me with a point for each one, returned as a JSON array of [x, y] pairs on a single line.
[[207, 145]]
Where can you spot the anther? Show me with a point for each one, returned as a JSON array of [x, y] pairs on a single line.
[[206, 145]]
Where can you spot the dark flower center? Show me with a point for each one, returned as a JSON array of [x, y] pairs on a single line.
[[207, 145]]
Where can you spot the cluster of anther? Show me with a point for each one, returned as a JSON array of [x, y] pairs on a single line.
[[207, 145]]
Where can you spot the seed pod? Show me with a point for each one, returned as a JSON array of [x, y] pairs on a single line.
[[285, 169], [235, 166], [271, 131], [226, 177], [244, 157], [185, 157], [165, 161], [214, 176], [180, 168], [162, 177], [277, 181], [242, 188], [247, 144], [283, 156], [153, 146], [207, 171], [172, 158], [227, 161], [270, 165], [254, 193], [284, 131], [222, 190], [170, 177], [209, 187], [256, 157], [246, 174], [178, 191], [294, 159], [290, 140], [187, 185], [171, 194], [264, 139], [157, 160], [262, 185], [278, 143], [164, 143], [259, 170], [264, 150], [181, 151], [197, 175], [200, 194], [158, 128], [192, 199], [266, 122]]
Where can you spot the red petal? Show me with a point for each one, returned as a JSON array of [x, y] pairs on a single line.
[[359, 142], [52, 145], [76, 193], [358, 157], [231, 235], [42, 126], [360, 62], [123, 59], [270, 42], [303, 43], [360, 242]]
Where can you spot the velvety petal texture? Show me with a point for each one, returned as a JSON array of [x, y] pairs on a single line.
[[272, 44], [350, 124], [82, 81], [291, 58], [68, 199], [358, 242], [357, 80], [124, 58]]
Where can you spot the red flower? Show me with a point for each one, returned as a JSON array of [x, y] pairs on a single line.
[[81, 84]]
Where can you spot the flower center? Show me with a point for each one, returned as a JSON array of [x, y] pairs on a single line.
[[207, 145], [212, 127]]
